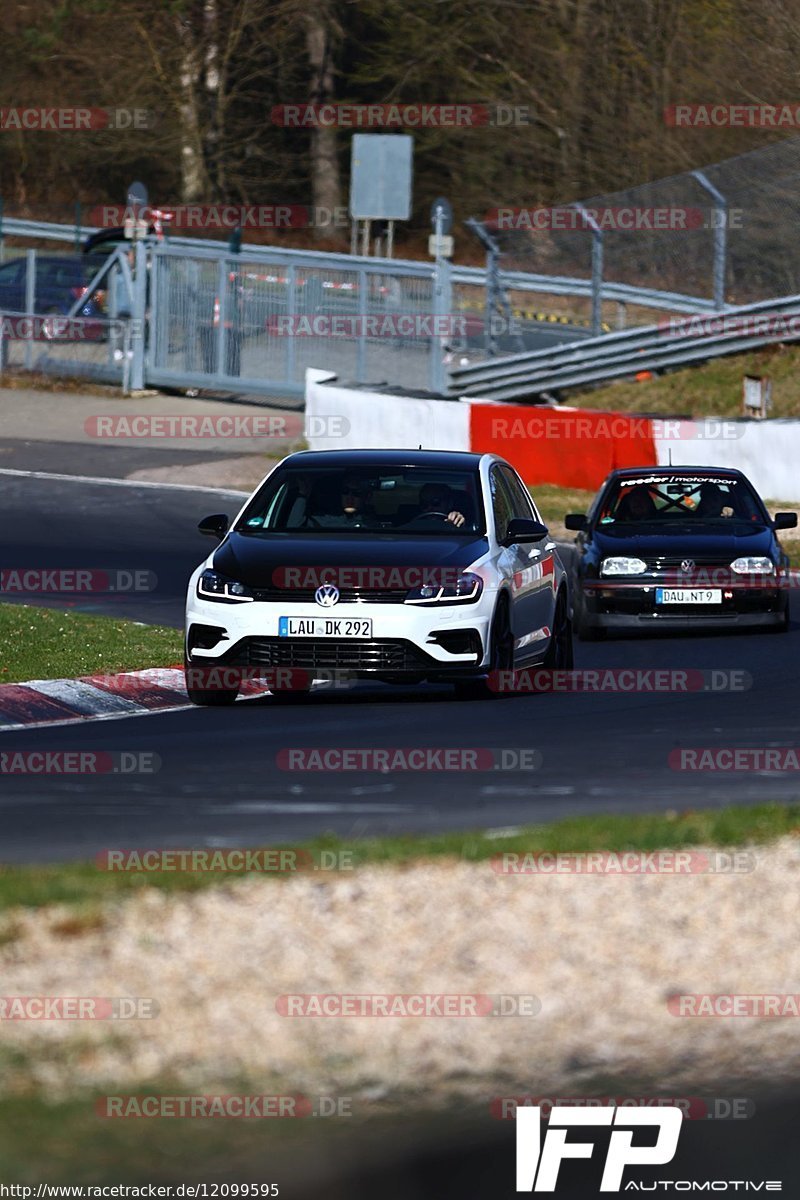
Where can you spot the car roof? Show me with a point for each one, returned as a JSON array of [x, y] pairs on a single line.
[[666, 469], [385, 458]]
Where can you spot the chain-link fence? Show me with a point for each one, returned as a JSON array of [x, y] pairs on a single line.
[[726, 232]]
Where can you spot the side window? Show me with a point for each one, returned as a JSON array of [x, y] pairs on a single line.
[[502, 505], [523, 507]]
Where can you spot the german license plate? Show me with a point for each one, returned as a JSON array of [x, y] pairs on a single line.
[[322, 627], [688, 595]]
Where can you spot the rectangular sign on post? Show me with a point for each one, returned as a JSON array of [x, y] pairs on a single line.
[[380, 176]]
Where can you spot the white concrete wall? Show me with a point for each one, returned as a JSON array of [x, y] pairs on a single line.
[[342, 418], [768, 452]]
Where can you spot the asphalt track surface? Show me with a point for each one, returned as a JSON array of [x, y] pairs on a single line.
[[219, 782]]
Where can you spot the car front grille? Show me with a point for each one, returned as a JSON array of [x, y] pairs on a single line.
[[331, 654], [346, 595]]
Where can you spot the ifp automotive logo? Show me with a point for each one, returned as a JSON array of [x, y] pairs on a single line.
[[538, 1162]]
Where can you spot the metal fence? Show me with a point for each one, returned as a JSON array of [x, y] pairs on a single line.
[[728, 234], [256, 320], [205, 317], [202, 316]]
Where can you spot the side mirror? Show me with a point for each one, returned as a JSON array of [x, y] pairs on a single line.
[[216, 526], [576, 521], [524, 529], [785, 520]]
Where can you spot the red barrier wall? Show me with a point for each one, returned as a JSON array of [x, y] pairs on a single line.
[[575, 448]]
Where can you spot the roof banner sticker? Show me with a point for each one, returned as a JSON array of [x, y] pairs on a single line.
[[660, 479]]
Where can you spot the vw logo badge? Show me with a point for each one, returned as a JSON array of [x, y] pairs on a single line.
[[687, 564], [327, 594]]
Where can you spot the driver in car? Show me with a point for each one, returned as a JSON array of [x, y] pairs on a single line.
[[436, 500], [355, 509]]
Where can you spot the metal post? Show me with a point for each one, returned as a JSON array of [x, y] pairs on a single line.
[[291, 343], [361, 342], [720, 237], [30, 301], [77, 226], [138, 315], [390, 240], [365, 236], [222, 296], [442, 310], [597, 271]]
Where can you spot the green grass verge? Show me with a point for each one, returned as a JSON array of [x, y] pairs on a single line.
[[86, 885], [66, 1142], [48, 643], [713, 389]]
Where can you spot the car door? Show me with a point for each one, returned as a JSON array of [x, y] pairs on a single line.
[[535, 562]]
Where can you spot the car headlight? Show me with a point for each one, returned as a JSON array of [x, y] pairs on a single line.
[[623, 566], [213, 586], [753, 566], [464, 590]]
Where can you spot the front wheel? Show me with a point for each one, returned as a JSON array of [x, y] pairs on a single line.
[[560, 654], [501, 657]]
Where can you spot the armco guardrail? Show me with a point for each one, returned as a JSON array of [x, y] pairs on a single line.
[[613, 356]]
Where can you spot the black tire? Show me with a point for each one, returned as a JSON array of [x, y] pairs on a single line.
[[212, 697], [583, 630], [560, 654], [501, 656], [784, 625]]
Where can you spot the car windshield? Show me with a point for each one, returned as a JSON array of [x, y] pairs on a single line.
[[696, 501], [414, 500]]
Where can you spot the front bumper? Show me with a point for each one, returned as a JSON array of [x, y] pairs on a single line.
[[626, 605], [411, 641]]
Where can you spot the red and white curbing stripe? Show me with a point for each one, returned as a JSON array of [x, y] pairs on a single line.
[[97, 697]]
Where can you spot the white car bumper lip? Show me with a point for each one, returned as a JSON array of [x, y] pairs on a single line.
[[414, 624]]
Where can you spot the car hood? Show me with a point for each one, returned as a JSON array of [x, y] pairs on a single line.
[[715, 544], [252, 559]]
